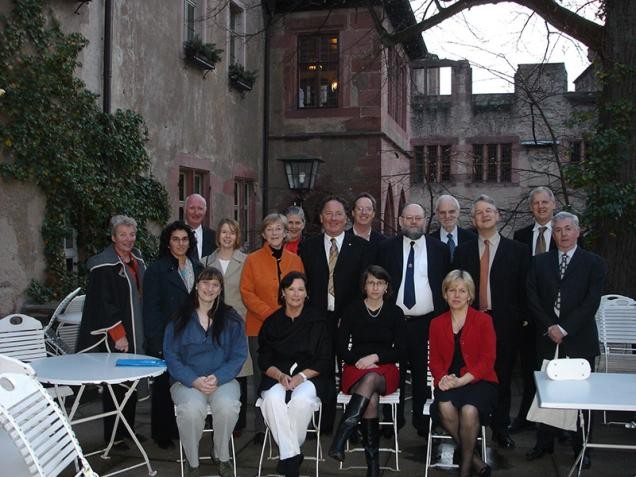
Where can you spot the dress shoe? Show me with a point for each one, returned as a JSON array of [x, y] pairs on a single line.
[[503, 439], [485, 471], [520, 424], [537, 452]]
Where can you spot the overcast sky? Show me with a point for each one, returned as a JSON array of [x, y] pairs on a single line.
[[489, 37]]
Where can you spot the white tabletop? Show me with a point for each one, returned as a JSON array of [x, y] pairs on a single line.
[[91, 368], [601, 391]]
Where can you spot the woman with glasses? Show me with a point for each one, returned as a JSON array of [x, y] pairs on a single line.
[[368, 343]]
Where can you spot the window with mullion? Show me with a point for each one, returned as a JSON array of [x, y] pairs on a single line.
[[318, 71]]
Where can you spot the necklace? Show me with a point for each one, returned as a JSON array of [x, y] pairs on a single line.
[[373, 314]]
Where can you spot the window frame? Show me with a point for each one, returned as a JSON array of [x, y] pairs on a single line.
[[300, 68], [236, 36], [192, 181], [492, 162]]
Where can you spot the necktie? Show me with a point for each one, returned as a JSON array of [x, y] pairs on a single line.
[[451, 245], [409, 279], [540, 246], [562, 267], [484, 271], [333, 258]]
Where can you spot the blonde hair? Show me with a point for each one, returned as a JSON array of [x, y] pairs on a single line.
[[456, 275]]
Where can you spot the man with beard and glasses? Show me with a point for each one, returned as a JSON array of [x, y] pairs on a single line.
[[417, 264]]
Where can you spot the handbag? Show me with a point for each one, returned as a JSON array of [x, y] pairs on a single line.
[[561, 418], [575, 369]]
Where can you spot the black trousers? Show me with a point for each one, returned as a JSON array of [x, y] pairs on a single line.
[[329, 402], [504, 365], [415, 359], [128, 411], [163, 424], [527, 360]]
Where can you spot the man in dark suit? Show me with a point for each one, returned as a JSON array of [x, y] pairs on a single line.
[[363, 213], [447, 212], [195, 210], [564, 292], [538, 238], [417, 265], [334, 262], [498, 266]]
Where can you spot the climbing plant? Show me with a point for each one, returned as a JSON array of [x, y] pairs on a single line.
[[89, 164]]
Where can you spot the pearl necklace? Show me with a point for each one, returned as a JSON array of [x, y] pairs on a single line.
[[371, 314]]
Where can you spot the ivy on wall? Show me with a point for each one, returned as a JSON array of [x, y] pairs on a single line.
[[90, 165]]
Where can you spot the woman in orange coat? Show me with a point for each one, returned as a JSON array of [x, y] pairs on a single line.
[[260, 283], [462, 362]]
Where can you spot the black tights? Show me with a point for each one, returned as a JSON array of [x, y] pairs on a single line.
[[463, 425], [371, 385]]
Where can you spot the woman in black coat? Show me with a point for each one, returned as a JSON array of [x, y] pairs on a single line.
[[167, 283]]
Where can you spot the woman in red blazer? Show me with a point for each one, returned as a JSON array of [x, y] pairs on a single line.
[[462, 361]]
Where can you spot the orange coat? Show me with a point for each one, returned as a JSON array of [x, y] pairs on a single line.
[[259, 284]]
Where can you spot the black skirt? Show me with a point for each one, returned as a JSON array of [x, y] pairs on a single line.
[[482, 395]]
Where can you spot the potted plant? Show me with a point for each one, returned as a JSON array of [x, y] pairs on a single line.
[[240, 78], [203, 55]]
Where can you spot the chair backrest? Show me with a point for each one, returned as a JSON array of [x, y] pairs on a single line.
[[22, 337], [616, 323], [61, 308], [37, 427], [13, 365]]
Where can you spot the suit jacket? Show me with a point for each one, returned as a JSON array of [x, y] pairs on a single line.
[[581, 290], [209, 242], [507, 284], [524, 235], [390, 256], [352, 260], [376, 237], [463, 235]]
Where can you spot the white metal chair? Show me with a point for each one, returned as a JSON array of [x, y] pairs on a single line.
[[616, 324], [313, 429], [429, 446], [389, 400], [38, 427], [61, 331], [208, 430]]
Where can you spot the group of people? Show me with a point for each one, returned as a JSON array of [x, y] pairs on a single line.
[[299, 310]]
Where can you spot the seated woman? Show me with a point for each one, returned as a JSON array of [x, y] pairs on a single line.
[[373, 327], [462, 362], [204, 348], [294, 356]]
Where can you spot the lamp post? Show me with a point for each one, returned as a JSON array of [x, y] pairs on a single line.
[[301, 171]]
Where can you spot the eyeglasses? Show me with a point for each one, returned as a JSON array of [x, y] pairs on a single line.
[[414, 218], [364, 209], [376, 283]]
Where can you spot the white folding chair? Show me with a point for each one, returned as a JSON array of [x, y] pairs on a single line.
[[429, 446], [389, 400], [313, 429], [616, 324], [38, 428], [208, 430], [62, 329]]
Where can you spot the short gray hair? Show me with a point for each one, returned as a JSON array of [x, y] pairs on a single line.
[[295, 210], [538, 190], [483, 198], [272, 219], [117, 220], [448, 197], [563, 215]]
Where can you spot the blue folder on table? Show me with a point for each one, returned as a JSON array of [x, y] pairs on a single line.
[[140, 362]]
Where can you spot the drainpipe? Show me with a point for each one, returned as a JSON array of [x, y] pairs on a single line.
[[265, 188], [108, 53]]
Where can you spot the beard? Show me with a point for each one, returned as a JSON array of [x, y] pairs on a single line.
[[413, 233]]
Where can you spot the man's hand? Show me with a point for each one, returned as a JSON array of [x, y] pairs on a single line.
[[368, 361], [122, 344], [555, 334], [206, 384]]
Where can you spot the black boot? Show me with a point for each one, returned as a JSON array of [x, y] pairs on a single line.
[[357, 405], [371, 441]]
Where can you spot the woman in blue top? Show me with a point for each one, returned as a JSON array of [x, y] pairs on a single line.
[[205, 348]]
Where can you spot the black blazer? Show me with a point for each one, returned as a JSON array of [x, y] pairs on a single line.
[[390, 257], [352, 260], [507, 283], [581, 290], [376, 237], [209, 242], [524, 235], [463, 235], [164, 293]]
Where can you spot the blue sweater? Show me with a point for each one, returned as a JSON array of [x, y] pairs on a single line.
[[193, 353]]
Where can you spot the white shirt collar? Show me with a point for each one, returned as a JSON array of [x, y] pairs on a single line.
[[444, 234]]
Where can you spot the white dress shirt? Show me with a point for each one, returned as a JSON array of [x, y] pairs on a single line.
[[423, 294], [198, 233], [331, 300], [443, 235]]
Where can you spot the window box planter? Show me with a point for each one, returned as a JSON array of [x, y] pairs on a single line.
[[241, 79], [202, 55]]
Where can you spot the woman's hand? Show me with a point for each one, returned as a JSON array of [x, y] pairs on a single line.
[[447, 382], [286, 381], [206, 384], [122, 344], [368, 361], [296, 381]]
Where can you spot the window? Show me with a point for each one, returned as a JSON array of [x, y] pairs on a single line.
[[70, 251], [318, 71], [244, 210], [577, 151], [192, 23], [396, 100], [432, 163], [492, 162], [236, 51], [192, 181]]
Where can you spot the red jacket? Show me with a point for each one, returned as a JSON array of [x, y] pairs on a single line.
[[478, 344]]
